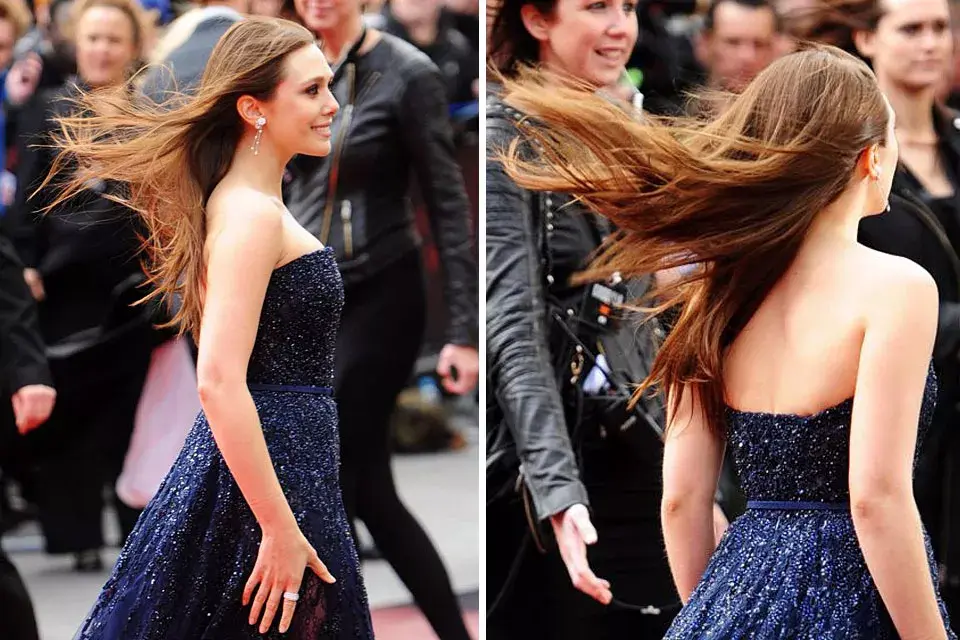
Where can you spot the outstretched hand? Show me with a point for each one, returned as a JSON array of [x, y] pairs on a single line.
[[574, 531]]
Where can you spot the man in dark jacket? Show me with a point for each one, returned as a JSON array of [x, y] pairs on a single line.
[[429, 28], [23, 369]]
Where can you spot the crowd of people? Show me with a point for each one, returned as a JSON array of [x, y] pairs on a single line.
[[579, 496], [104, 390]]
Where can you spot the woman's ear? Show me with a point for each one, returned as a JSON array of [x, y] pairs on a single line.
[[865, 42], [535, 22], [249, 110], [869, 165]]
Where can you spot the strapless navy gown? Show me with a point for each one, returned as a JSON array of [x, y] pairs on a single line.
[[791, 566], [182, 572]]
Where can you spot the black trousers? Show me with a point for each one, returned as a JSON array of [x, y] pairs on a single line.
[[78, 454], [18, 621], [381, 334], [622, 480]]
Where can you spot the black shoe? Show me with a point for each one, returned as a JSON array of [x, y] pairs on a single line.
[[88, 561]]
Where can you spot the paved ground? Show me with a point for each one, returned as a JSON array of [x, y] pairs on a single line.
[[441, 489]]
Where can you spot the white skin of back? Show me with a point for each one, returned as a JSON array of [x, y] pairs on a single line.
[[844, 321]]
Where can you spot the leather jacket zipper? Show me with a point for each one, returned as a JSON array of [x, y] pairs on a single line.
[[346, 217]]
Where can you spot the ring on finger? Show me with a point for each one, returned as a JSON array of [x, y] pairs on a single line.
[[291, 596]]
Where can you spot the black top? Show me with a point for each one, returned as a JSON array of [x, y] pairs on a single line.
[[451, 52]]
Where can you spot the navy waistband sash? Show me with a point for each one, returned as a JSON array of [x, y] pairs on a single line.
[[797, 505], [295, 388]]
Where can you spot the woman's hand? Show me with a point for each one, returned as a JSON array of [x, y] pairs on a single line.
[[283, 557]]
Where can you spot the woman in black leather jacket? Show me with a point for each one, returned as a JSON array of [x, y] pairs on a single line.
[[393, 120], [906, 43], [83, 268], [586, 471]]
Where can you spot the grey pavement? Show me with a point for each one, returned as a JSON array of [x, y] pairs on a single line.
[[441, 489]]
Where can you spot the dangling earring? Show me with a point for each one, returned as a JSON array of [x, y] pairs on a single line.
[[261, 123]]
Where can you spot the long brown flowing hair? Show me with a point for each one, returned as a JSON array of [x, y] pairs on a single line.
[[168, 158], [735, 195]]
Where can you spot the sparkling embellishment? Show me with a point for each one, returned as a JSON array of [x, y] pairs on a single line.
[[793, 573], [182, 572], [261, 123]]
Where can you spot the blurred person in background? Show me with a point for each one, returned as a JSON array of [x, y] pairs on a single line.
[[393, 126], [18, 81], [465, 16], [29, 399], [15, 22], [576, 552], [266, 8], [424, 24], [181, 55], [909, 44], [52, 41], [738, 40], [83, 271]]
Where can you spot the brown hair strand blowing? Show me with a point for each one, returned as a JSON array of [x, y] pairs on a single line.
[[168, 158], [736, 194]]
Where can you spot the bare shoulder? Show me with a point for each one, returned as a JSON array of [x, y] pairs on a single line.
[[244, 215], [242, 203], [891, 284]]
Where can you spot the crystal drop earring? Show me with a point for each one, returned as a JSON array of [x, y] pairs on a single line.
[[261, 123]]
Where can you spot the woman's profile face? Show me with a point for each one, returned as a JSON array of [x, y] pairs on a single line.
[[105, 46], [913, 43], [588, 39], [301, 111], [326, 15]]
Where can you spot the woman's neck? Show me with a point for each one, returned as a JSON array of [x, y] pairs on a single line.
[[914, 111], [337, 41], [263, 170]]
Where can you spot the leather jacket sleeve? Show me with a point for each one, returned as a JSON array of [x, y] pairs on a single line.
[[428, 137], [22, 359], [518, 355]]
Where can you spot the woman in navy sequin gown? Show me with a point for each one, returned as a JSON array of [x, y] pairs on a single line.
[[822, 345], [247, 535]]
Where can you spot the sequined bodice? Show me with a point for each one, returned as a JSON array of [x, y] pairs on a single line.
[[296, 340], [786, 457]]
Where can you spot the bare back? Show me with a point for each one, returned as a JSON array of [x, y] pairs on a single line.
[[800, 352]]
